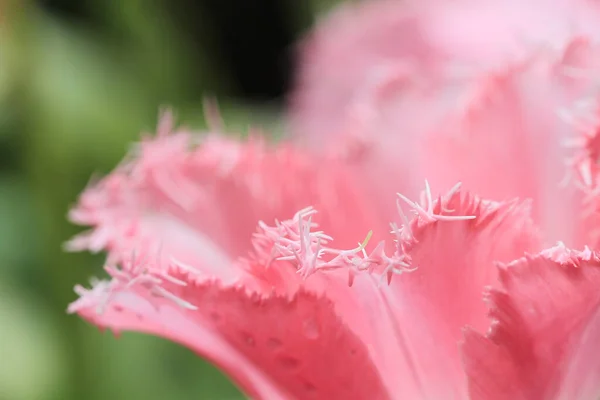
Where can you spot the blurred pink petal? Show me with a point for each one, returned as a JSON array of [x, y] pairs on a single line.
[[418, 86], [543, 341], [510, 117], [364, 47]]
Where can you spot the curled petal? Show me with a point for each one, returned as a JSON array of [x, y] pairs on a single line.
[[272, 346], [543, 340]]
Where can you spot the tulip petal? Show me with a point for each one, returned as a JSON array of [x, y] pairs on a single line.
[[355, 44], [543, 340], [412, 326], [506, 141], [188, 197], [187, 206], [273, 347], [349, 66], [455, 259], [463, 90], [378, 46]]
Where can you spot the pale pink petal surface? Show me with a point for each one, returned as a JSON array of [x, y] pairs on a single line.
[[474, 96]]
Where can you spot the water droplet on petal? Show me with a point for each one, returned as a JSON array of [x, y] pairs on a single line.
[[118, 308], [311, 329], [215, 316], [309, 387], [288, 362], [274, 343], [248, 339]]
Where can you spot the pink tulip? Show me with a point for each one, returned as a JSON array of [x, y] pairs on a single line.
[[297, 269]]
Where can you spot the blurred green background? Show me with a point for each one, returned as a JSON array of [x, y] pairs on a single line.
[[79, 80]]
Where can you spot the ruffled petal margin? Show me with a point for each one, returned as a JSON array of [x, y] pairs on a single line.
[[196, 198], [272, 346], [454, 246], [545, 333]]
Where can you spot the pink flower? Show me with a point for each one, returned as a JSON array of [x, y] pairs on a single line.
[[297, 269], [417, 86]]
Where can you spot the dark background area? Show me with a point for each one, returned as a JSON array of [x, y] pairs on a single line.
[[251, 41]]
